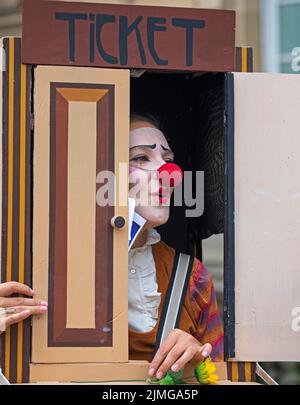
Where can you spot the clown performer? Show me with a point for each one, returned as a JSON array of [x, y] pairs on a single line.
[[198, 332]]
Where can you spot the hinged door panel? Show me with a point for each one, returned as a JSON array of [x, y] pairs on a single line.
[[79, 260], [263, 221]]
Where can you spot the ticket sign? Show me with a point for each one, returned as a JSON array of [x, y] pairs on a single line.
[[106, 35]]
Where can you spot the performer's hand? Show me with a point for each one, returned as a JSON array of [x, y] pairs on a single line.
[[177, 349], [16, 309]]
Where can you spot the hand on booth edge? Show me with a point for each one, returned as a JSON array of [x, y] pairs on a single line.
[[177, 350], [16, 309]]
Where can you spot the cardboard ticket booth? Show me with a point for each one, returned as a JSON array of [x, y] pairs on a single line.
[[67, 87]]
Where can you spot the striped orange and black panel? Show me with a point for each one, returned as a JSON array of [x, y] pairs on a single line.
[[16, 200], [243, 59], [238, 371]]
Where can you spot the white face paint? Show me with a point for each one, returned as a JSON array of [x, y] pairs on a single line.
[[149, 150]]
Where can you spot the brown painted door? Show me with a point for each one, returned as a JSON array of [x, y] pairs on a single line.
[[265, 233], [79, 260]]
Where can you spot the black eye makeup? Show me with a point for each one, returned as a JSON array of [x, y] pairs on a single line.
[[140, 158]]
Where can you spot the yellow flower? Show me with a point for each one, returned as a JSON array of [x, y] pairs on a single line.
[[205, 372]]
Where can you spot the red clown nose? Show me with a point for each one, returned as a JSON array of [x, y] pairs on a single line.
[[170, 174]]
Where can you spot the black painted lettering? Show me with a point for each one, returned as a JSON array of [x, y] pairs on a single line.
[[124, 31], [155, 24], [71, 17], [92, 37], [189, 25], [101, 20]]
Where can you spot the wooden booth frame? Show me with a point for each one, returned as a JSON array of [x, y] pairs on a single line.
[[84, 335], [43, 364]]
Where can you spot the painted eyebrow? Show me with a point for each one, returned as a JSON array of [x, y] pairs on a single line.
[[144, 146], [151, 147]]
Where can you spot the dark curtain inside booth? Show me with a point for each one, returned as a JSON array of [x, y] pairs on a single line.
[[190, 109]]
